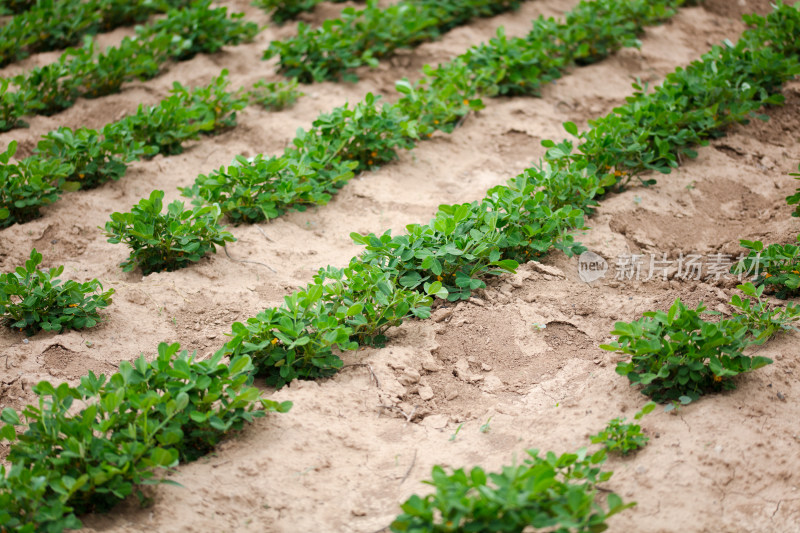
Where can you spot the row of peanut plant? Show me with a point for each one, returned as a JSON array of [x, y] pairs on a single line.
[[54, 24], [675, 356], [83, 72], [282, 10], [363, 36], [82, 449], [67, 159], [318, 162]]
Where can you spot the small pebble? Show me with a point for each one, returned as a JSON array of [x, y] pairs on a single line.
[[781, 397], [24, 341]]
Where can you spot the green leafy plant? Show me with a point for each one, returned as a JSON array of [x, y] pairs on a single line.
[[368, 300], [83, 72], [362, 36], [259, 188], [275, 95], [212, 106], [791, 200], [201, 29], [52, 88], [282, 10], [148, 416], [762, 319], [776, 266], [164, 127], [456, 249], [677, 354], [341, 310], [320, 161], [33, 299], [12, 106], [293, 341], [27, 186], [622, 438], [16, 6], [531, 215], [94, 159], [550, 492], [98, 74], [166, 241]]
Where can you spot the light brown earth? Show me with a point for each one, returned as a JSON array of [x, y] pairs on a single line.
[[347, 454]]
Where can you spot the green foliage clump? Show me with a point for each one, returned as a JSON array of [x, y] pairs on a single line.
[[339, 310], [275, 95], [284, 10], [776, 266], [86, 72], [147, 417], [550, 492], [27, 186], [791, 200], [319, 162], [677, 355], [362, 36], [33, 299], [166, 241]]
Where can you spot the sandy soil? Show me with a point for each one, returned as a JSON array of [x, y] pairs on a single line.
[[352, 448]]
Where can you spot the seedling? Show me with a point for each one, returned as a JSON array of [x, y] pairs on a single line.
[[485, 427], [455, 434], [33, 299]]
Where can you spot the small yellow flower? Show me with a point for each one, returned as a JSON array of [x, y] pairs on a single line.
[[795, 271], [274, 341], [767, 275], [80, 176], [439, 278], [430, 135], [73, 305], [466, 102], [435, 121], [717, 378], [374, 154], [369, 162]]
